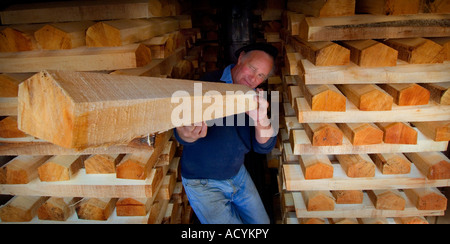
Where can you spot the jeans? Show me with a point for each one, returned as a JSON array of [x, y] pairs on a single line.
[[232, 201]]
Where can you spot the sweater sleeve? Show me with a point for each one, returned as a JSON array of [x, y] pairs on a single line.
[[266, 147]]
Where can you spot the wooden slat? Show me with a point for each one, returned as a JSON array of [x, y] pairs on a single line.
[[361, 27], [295, 180]]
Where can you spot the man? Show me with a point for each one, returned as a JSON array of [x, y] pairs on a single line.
[[216, 181]]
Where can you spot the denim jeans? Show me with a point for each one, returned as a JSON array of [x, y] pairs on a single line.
[[232, 201]]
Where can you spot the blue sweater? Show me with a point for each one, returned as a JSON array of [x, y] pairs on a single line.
[[221, 153]]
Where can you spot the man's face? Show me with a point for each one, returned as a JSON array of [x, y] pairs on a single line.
[[252, 69]]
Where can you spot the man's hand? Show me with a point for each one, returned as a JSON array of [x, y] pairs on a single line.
[[263, 128], [192, 133]]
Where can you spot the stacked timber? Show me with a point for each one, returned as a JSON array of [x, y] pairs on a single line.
[[130, 180], [365, 116]]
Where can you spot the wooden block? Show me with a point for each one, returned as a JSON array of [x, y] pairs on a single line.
[[21, 208], [18, 38], [292, 61], [9, 86], [417, 50], [319, 200], [357, 166], [22, 169], [440, 92], [102, 163], [348, 196], [133, 207], [77, 59], [387, 199], [407, 94], [319, 8], [95, 208], [363, 27], [434, 165], [167, 187], [367, 97], [445, 43], [370, 53], [57, 209], [316, 167], [391, 163], [389, 7], [8, 128], [398, 133], [67, 35], [94, 113], [427, 198], [324, 134], [322, 53], [362, 133], [411, 220], [115, 33], [438, 131], [325, 98], [60, 168]]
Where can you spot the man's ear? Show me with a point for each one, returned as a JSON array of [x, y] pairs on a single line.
[[241, 56]]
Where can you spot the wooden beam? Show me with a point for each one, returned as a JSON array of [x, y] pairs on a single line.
[[18, 38], [21, 208], [407, 94], [362, 27], [60, 168], [78, 59], [82, 102], [398, 133], [367, 97], [8, 128], [436, 6], [417, 50], [445, 43], [387, 199], [67, 35], [357, 166], [440, 92], [22, 169], [102, 163], [389, 7], [434, 165], [437, 131], [361, 134], [316, 167], [411, 220], [133, 206], [370, 53], [57, 209], [96, 208], [427, 198], [322, 53], [321, 8], [391, 163]]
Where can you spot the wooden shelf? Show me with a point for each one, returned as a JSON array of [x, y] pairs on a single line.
[[364, 210], [301, 145], [295, 180], [430, 112]]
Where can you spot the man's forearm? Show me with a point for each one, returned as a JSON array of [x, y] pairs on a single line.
[[264, 131]]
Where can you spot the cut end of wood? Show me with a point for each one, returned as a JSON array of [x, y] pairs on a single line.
[[50, 172], [367, 134], [385, 56], [103, 35], [328, 135], [413, 95], [52, 38], [14, 41], [440, 171], [399, 133], [375, 100], [432, 201], [319, 170], [130, 169]]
